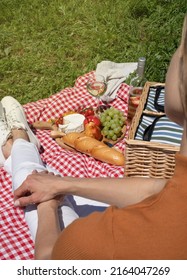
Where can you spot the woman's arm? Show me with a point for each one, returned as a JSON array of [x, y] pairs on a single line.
[[120, 192], [113, 191], [48, 222]]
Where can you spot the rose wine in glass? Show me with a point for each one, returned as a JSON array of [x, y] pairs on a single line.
[[97, 87]]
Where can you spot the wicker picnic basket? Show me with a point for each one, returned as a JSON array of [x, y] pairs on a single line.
[[144, 158]]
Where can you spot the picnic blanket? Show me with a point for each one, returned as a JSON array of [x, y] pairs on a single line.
[[15, 239]]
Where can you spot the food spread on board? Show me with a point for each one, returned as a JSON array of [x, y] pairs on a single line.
[[90, 131]]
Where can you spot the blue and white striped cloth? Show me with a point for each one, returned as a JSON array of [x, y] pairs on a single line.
[[150, 104], [164, 131]]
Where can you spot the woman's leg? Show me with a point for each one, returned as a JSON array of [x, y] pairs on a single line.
[[22, 155], [23, 160]]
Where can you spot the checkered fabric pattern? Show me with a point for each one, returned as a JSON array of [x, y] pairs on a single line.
[[15, 240]]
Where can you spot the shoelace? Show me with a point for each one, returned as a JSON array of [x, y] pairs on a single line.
[[3, 124], [11, 119]]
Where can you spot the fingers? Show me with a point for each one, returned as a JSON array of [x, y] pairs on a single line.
[[24, 201], [29, 200], [35, 188], [45, 172], [22, 191]]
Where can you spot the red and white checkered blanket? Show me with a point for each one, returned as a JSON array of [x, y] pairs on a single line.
[[15, 240]]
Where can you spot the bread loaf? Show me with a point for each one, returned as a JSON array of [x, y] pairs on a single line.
[[63, 145], [86, 144], [94, 148], [70, 138], [109, 155]]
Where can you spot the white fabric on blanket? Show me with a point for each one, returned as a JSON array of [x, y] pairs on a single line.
[[115, 74], [23, 160]]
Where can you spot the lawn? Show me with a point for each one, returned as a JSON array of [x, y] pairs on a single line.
[[45, 45]]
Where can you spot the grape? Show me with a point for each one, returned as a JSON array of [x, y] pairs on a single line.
[[114, 137], [102, 119], [110, 113], [115, 116], [105, 132], [112, 121], [117, 129], [113, 125], [111, 133], [121, 123]]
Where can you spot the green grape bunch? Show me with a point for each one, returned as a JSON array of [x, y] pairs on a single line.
[[112, 121]]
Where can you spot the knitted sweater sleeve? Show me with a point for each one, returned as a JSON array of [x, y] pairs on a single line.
[[87, 238]]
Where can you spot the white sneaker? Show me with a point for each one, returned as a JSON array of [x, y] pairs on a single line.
[[15, 117], [5, 133]]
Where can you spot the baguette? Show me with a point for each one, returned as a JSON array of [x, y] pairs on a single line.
[[94, 148], [85, 144], [109, 155], [69, 139], [60, 142]]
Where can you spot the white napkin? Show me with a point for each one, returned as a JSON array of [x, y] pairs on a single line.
[[115, 74]]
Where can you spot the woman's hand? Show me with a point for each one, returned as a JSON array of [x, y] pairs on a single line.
[[38, 187], [52, 203]]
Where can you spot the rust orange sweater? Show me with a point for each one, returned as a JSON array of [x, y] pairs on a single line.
[[155, 228]]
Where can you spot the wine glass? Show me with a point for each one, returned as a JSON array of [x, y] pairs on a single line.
[[97, 86]]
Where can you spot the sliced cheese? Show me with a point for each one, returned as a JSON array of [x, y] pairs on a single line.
[[72, 123]]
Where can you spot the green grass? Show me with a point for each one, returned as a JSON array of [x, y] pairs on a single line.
[[45, 45]]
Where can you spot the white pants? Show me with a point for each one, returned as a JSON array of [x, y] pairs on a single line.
[[23, 160]]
